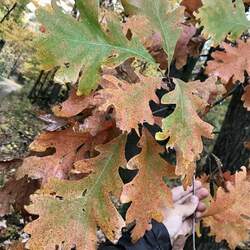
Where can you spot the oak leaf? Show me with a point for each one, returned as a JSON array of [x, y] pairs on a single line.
[[184, 126], [130, 101], [70, 211], [231, 63], [221, 17], [85, 45], [228, 215], [182, 50], [246, 98], [149, 203], [98, 121], [164, 19], [66, 144], [191, 5], [185, 45], [73, 105], [15, 193]]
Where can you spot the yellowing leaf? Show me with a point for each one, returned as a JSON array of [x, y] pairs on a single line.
[[231, 63], [229, 215], [220, 17], [70, 211], [184, 126], [165, 20], [83, 45], [130, 101], [147, 191]]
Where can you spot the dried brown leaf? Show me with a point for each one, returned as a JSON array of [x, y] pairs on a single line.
[[147, 191]]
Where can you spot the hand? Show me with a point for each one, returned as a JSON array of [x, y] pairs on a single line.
[[178, 220]]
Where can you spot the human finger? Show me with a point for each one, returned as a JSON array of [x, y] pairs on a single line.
[[202, 193], [201, 207], [179, 193], [188, 208]]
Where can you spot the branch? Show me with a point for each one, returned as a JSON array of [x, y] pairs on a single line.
[[231, 92], [8, 12]]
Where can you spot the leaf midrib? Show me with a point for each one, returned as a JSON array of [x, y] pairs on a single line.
[[119, 48]]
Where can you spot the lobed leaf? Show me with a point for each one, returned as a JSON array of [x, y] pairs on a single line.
[[147, 203], [184, 126], [130, 101], [70, 211], [15, 193], [84, 44], [221, 17], [191, 5], [164, 19], [246, 98], [59, 163], [230, 63], [228, 216]]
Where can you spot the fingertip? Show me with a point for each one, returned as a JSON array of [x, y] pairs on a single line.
[[201, 207], [198, 215], [202, 193]]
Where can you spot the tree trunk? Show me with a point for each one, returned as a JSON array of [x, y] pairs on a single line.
[[235, 131]]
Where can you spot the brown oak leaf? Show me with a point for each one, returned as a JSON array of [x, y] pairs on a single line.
[[74, 105], [230, 63], [16, 193], [130, 101], [147, 191], [66, 144], [246, 98], [182, 49], [191, 5], [228, 215]]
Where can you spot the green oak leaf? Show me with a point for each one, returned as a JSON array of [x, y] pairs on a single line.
[[221, 17], [164, 19], [184, 126], [82, 46], [71, 210]]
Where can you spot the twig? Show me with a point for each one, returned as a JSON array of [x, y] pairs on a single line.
[[8, 12], [160, 110], [225, 97], [193, 224]]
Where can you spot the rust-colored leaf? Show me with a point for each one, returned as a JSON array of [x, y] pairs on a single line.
[[130, 101], [231, 63], [15, 193], [66, 144], [73, 105], [246, 98], [228, 215], [98, 121], [182, 49], [191, 5], [147, 191], [139, 26], [70, 211]]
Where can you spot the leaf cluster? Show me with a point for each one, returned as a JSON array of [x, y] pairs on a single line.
[[78, 162]]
